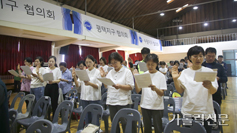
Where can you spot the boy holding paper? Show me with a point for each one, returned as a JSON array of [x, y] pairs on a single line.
[[197, 98], [152, 104]]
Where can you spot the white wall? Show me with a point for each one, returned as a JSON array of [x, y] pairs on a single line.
[[205, 33], [180, 51]]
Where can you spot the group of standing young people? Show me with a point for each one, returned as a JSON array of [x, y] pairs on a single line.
[[197, 98]]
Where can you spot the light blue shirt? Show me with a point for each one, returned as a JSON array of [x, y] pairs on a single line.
[[66, 86]]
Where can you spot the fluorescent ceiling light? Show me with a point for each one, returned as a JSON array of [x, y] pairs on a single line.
[[180, 27], [162, 14], [205, 24], [234, 20], [169, 1], [181, 8]]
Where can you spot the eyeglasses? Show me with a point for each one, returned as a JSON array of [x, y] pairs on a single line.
[[114, 62], [89, 62]]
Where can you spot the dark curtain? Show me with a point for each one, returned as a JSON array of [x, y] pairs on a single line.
[[136, 56], [73, 56], [9, 55], [122, 53], [33, 48], [89, 51], [107, 53]]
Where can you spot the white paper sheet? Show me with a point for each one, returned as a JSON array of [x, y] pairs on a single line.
[[48, 77], [202, 76], [106, 81], [13, 72], [142, 66], [26, 69], [82, 75], [143, 80]]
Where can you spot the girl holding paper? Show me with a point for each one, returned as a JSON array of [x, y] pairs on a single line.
[[37, 87], [197, 98], [51, 88], [119, 95], [103, 64], [152, 104], [90, 90], [25, 85]]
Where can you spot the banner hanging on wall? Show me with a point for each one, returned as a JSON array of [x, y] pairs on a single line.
[[35, 12], [92, 27], [43, 14]]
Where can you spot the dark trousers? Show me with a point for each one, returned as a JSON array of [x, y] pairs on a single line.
[[113, 110], [157, 121], [17, 86], [51, 90]]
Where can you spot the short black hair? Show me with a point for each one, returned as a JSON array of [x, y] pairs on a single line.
[[116, 56], [55, 59], [171, 62], [103, 59], [186, 58], [162, 63], [210, 50], [81, 62], [63, 64], [182, 60], [145, 50], [220, 56], [130, 65], [90, 57], [152, 57], [195, 50], [28, 59], [41, 60], [176, 62]]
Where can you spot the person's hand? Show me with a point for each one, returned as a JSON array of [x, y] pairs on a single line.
[[207, 84], [35, 75], [102, 72], [18, 66], [37, 68], [217, 78], [175, 72], [73, 72], [87, 83], [50, 82], [135, 72], [21, 76], [117, 86], [153, 87]]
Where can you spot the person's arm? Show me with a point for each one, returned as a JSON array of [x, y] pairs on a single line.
[[39, 76], [129, 82], [158, 91], [91, 84], [138, 90], [59, 76], [209, 86], [175, 76], [75, 77], [103, 74]]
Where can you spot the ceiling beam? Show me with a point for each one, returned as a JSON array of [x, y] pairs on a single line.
[[64, 42], [104, 49]]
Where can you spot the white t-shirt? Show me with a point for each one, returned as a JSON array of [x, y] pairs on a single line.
[[196, 98], [88, 92], [57, 74], [35, 82], [118, 96], [150, 99], [105, 67], [164, 70]]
